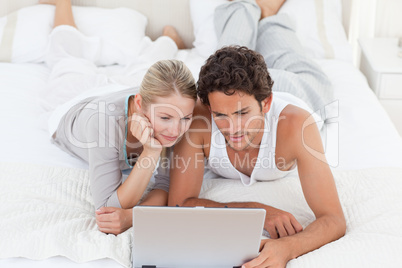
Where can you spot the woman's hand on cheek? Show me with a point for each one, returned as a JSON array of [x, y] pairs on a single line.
[[112, 220], [141, 129]]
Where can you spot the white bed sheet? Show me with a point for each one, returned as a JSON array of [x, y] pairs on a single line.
[[23, 138], [58, 261], [362, 136]]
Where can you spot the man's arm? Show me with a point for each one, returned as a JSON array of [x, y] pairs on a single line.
[[187, 166], [156, 197], [186, 176], [278, 223], [319, 190], [187, 170]]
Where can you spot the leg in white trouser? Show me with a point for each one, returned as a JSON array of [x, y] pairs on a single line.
[[71, 57], [163, 48]]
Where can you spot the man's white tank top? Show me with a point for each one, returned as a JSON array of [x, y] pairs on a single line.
[[265, 168]]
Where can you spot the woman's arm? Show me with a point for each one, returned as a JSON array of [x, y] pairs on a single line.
[[116, 220], [130, 192], [156, 197], [114, 200], [104, 168], [112, 220]]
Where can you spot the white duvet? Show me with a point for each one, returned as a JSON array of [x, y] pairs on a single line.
[[48, 211], [372, 203]]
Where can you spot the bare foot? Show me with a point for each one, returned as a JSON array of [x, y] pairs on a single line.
[[171, 32], [53, 2], [269, 7], [49, 2]]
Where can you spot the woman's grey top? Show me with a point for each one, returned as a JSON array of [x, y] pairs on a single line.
[[95, 131]]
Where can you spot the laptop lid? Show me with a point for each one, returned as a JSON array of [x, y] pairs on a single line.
[[196, 237]]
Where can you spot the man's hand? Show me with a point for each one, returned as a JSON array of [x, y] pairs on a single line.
[[280, 223], [112, 220], [273, 253]]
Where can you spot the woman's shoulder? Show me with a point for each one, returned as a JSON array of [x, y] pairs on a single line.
[[113, 103], [102, 112]]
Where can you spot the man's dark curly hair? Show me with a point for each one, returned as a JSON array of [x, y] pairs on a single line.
[[232, 69]]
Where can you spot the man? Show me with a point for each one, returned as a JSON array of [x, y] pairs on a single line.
[[244, 123]]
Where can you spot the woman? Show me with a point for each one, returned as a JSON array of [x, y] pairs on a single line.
[[120, 129]]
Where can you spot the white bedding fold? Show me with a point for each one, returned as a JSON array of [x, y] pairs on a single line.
[[372, 203], [48, 211]]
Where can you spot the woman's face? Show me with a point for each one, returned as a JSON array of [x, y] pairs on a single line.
[[170, 117]]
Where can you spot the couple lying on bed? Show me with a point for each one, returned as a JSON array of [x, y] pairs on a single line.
[[243, 129]]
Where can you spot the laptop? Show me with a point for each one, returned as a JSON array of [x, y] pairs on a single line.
[[195, 237]]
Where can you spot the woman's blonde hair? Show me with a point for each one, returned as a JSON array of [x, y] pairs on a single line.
[[167, 77], [163, 79]]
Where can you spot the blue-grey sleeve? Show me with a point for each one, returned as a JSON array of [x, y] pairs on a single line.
[[289, 66], [103, 159], [237, 23], [162, 177]]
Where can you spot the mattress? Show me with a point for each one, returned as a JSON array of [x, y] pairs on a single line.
[[359, 136], [362, 146]]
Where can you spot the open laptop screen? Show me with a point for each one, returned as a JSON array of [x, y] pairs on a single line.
[[196, 237]]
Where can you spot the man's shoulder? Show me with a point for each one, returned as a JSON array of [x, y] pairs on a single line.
[[291, 132], [201, 126], [293, 118], [201, 118]]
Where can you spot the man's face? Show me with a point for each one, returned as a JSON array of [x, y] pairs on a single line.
[[239, 117]]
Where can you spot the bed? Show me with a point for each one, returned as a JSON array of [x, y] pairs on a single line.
[[47, 214]]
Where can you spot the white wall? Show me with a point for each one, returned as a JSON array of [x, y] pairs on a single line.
[[389, 18], [374, 18]]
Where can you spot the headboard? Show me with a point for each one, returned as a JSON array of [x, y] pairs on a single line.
[[158, 12]]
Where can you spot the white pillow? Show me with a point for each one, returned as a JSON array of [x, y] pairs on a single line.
[[202, 16], [27, 31], [120, 30], [318, 25], [24, 35]]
